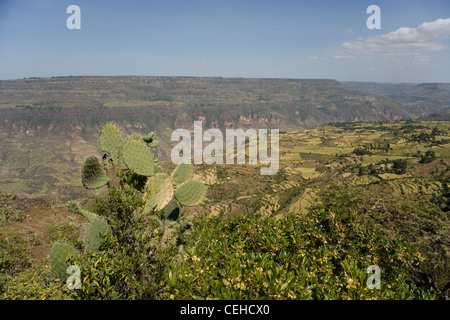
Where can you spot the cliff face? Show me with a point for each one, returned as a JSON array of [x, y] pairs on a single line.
[[48, 126], [417, 99], [73, 122], [73, 104]]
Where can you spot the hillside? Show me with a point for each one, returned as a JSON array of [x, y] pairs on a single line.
[[36, 105], [439, 116], [418, 99]]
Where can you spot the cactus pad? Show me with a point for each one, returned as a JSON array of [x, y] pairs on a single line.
[[182, 173], [158, 192], [59, 253], [149, 137], [172, 210], [135, 136], [92, 174], [138, 157], [93, 239], [75, 207], [110, 139], [190, 193], [153, 144]]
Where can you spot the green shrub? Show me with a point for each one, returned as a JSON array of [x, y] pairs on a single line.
[[120, 271], [415, 218], [66, 232], [428, 157], [322, 255], [34, 283], [14, 257], [8, 214], [131, 261], [14, 254], [399, 166]]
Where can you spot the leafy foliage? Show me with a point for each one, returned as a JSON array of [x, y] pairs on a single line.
[[323, 255], [7, 212], [131, 261], [428, 157], [399, 166], [396, 216]]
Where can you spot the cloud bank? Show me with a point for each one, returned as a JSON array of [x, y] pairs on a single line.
[[404, 44]]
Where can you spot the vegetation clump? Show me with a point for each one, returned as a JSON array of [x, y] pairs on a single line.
[[321, 255], [139, 217]]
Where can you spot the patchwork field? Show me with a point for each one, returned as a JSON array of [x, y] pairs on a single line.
[[311, 160]]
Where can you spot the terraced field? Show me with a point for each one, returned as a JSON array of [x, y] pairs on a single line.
[[313, 159]]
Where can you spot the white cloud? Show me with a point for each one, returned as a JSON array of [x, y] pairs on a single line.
[[312, 57], [403, 44]]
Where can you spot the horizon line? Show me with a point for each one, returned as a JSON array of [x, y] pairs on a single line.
[[208, 77]]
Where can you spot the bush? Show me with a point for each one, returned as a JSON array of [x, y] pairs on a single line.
[[415, 218], [399, 166], [322, 255], [35, 283], [360, 151], [130, 263], [66, 232], [428, 157], [14, 255]]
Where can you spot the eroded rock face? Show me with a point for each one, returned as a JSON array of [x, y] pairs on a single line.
[[53, 124], [69, 105]]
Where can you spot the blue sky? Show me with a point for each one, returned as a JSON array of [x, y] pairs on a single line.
[[228, 38]]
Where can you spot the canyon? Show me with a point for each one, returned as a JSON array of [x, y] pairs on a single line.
[[49, 125]]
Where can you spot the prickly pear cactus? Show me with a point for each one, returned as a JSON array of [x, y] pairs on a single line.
[[110, 140], [152, 143], [183, 172], [162, 193], [135, 136], [92, 174], [190, 193], [93, 238], [97, 226], [138, 157], [75, 207], [149, 137], [158, 192], [120, 154], [169, 193], [59, 253]]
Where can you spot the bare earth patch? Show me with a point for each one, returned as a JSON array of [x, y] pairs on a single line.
[[39, 215]]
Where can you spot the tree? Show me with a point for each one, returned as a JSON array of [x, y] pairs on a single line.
[[428, 157], [400, 166]]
